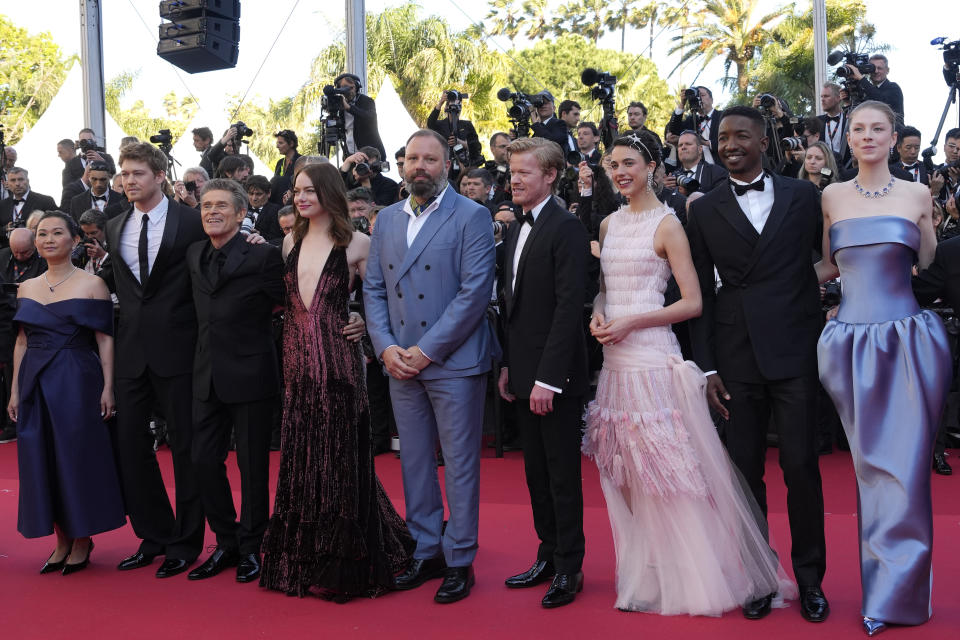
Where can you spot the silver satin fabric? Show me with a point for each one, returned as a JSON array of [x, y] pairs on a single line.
[[887, 366]]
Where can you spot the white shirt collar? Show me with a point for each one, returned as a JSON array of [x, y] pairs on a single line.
[[157, 214], [537, 209], [762, 176], [433, 205]]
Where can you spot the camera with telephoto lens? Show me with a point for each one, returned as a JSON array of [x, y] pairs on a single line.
[[945, 169], [243, 131], [692, 97], [519, 111], [951, 59], [86, 146], [859, 60], [603, 89], [454, 98], [501, 172], [794, 143], [361, 224], [364, 169], [499, 227], [574, 158], [687, 183]]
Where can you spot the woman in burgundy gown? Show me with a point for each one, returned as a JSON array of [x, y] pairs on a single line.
[[334, 531]]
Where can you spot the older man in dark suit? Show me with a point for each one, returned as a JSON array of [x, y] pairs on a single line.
[[236, 285]]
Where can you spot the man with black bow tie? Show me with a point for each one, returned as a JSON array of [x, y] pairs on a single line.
[[262, 214], [15, 209], [236, 285], [705, 121], [756, 339], [908, 146], [100, 196], [690, 156], [834, 119]]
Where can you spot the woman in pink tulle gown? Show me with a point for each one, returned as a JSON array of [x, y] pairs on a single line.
[[684, 529]]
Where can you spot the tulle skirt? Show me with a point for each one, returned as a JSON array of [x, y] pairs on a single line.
[[687, 534]]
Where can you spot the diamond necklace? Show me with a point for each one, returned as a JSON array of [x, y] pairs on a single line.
[[866, 193], [54, 286]]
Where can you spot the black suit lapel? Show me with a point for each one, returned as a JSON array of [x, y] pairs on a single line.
[[782, 194], [541, 221], [730, 210], [509, 251], [114, 233], [234, 260]]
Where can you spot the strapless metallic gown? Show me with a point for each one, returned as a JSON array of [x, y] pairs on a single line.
[[886, 364]]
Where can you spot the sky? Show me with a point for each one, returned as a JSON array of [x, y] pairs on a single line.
[[305, 27]]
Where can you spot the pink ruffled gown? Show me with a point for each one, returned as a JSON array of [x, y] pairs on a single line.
[[685, 532]]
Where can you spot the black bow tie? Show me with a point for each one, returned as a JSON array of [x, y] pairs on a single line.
[[95, 198], [526, 216], [833, 118], [741, 189], [20, 201], [256, 210]]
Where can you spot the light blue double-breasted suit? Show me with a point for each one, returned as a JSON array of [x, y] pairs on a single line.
[[434, 294]]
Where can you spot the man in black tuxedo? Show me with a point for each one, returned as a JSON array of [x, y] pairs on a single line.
[[100, 196], [545, 362], [941, 280], [75, 167], [908, 146], [877, 87], [236, 380], [384, 189], [66, 151], [155, 346], [262, 213], [545, 124], [756, 339], [360, 115], [15, 209], [946, 180], [470, 153], [705, 120], [587, 138], [690, 157], [834, 120]]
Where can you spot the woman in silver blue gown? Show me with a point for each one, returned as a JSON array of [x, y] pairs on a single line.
[[886, 365]]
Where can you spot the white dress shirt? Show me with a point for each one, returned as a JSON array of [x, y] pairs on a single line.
[[415, 223], [130, 236], [756, 204], [18, 206], [521, 241], [833, 132]]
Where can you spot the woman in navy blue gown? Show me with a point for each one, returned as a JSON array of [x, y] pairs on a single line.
[[62, 395], [886, 364]]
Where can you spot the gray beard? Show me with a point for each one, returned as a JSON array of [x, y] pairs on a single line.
[[426, 190]]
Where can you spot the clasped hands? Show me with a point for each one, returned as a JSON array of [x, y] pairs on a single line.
[[404, 364], [611, 332]]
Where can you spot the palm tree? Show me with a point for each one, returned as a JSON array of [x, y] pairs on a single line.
[[506, 18], [727, 30], [582, 17], [540, 20]]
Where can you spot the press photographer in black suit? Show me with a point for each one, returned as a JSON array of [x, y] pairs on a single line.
[[94, 153], [637, 119], [21, 202], [547, 125], [100, 196], [236, 285], [908, 147], [155, 343], [757, 336], [471, 151], [877, 87], [360, 115], [282, 180], [690, 157], [363, 169], [262, 214], [705, 120]]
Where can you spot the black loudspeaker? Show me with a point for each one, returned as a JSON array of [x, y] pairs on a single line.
[[202, 35]]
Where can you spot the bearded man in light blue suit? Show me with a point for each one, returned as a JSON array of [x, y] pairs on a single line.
[[429, 279]]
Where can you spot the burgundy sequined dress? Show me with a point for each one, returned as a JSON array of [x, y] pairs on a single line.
[[334, 531]]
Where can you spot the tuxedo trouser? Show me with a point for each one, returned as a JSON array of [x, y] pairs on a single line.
[[551, 460], [792, 403], [251, 423], [382, 423], [145, 496], [449, 410]]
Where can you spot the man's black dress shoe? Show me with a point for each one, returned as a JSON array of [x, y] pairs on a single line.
[[813, 604], [940, 465], [419, 571], [172, 566], [540, 572], [759, 608], [136, 561], [249, 568], [456, 585], [563, 590], [219, 560]]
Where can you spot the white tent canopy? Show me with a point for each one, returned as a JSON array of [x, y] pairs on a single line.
[[394, 123], [37, 151]]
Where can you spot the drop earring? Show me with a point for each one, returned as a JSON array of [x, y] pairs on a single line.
[[649, 180]]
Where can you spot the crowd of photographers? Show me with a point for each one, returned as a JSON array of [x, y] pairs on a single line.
[[811, 149]]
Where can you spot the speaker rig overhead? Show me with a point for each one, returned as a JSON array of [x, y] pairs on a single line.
[[200, 35]]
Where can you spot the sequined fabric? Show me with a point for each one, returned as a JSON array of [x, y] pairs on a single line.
[[333, 531]]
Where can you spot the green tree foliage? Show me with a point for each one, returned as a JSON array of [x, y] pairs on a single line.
[[785, 66], [727, 30], [32, 69], [136, 120], [558, 64]]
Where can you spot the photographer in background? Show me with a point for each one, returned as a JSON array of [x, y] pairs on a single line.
[[66, 151], [587, 138], [359, 115], [945, 180], [819, 166], [545, 124], [90, 151], [499, 167], [100, 196], [93, 247], [703, 118], [363, 169], [693, 174], [637, 120], [908, 148], [479, 187], [261, 213], [212, 155], [187, 190], [461, 137], [282, 180], [877, 87], [360, 204], [235, 168], [834, 118]]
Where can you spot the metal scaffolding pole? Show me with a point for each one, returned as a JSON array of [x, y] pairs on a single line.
[[357, 40], [91, 59], [819, 50]]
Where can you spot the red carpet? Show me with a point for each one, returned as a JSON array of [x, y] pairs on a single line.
[[103, 603]]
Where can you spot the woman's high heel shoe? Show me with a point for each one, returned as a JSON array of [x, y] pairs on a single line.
[[50, 567], [69, 568], [872, 627]]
